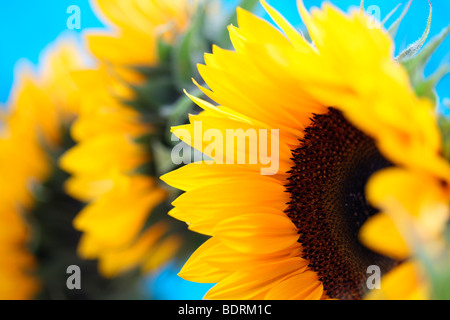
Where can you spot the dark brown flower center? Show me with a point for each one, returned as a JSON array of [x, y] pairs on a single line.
[[328, 205]]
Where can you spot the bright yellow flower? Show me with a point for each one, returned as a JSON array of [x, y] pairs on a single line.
[[105, 162], [38, 108], [406, 282], [345, 110], [412, 219], [103, 165]]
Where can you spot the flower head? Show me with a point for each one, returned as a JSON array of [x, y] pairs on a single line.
[[346, 112], [39, 107]]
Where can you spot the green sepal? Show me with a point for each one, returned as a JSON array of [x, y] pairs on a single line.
[[414, 48], [164, 51], [152, 72], [415, 66], [145, 139], [188, 51], [160, 154], [417, 63], [427, 87], [151, 95], [437, 266], [396, 24], [162, 157], [444, 126], [146, 169], [180, 111]]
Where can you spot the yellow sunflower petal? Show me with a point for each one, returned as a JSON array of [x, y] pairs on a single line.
[[380, 234], [303, 286], [263, 233], [246, 285], [403, 283]]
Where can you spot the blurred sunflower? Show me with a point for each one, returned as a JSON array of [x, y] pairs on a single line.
[[30, 134], [38, 242], [348, 116], [128, 102], [106, 159]]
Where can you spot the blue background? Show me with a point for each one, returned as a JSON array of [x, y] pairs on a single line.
[[26, 27]]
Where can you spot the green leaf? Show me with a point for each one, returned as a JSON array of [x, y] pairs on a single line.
[[394, 27], [412, 50]]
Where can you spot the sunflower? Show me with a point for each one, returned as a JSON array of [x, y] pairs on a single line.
[[118, 201], [346, 117], [104, 166], [128, 102], [106, 161], [31, 126], [38, 242]]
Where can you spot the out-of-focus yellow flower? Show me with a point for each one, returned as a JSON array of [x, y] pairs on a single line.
[[412, 219], [39, 106], [423, 202], [294, 235], [105, 162]]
